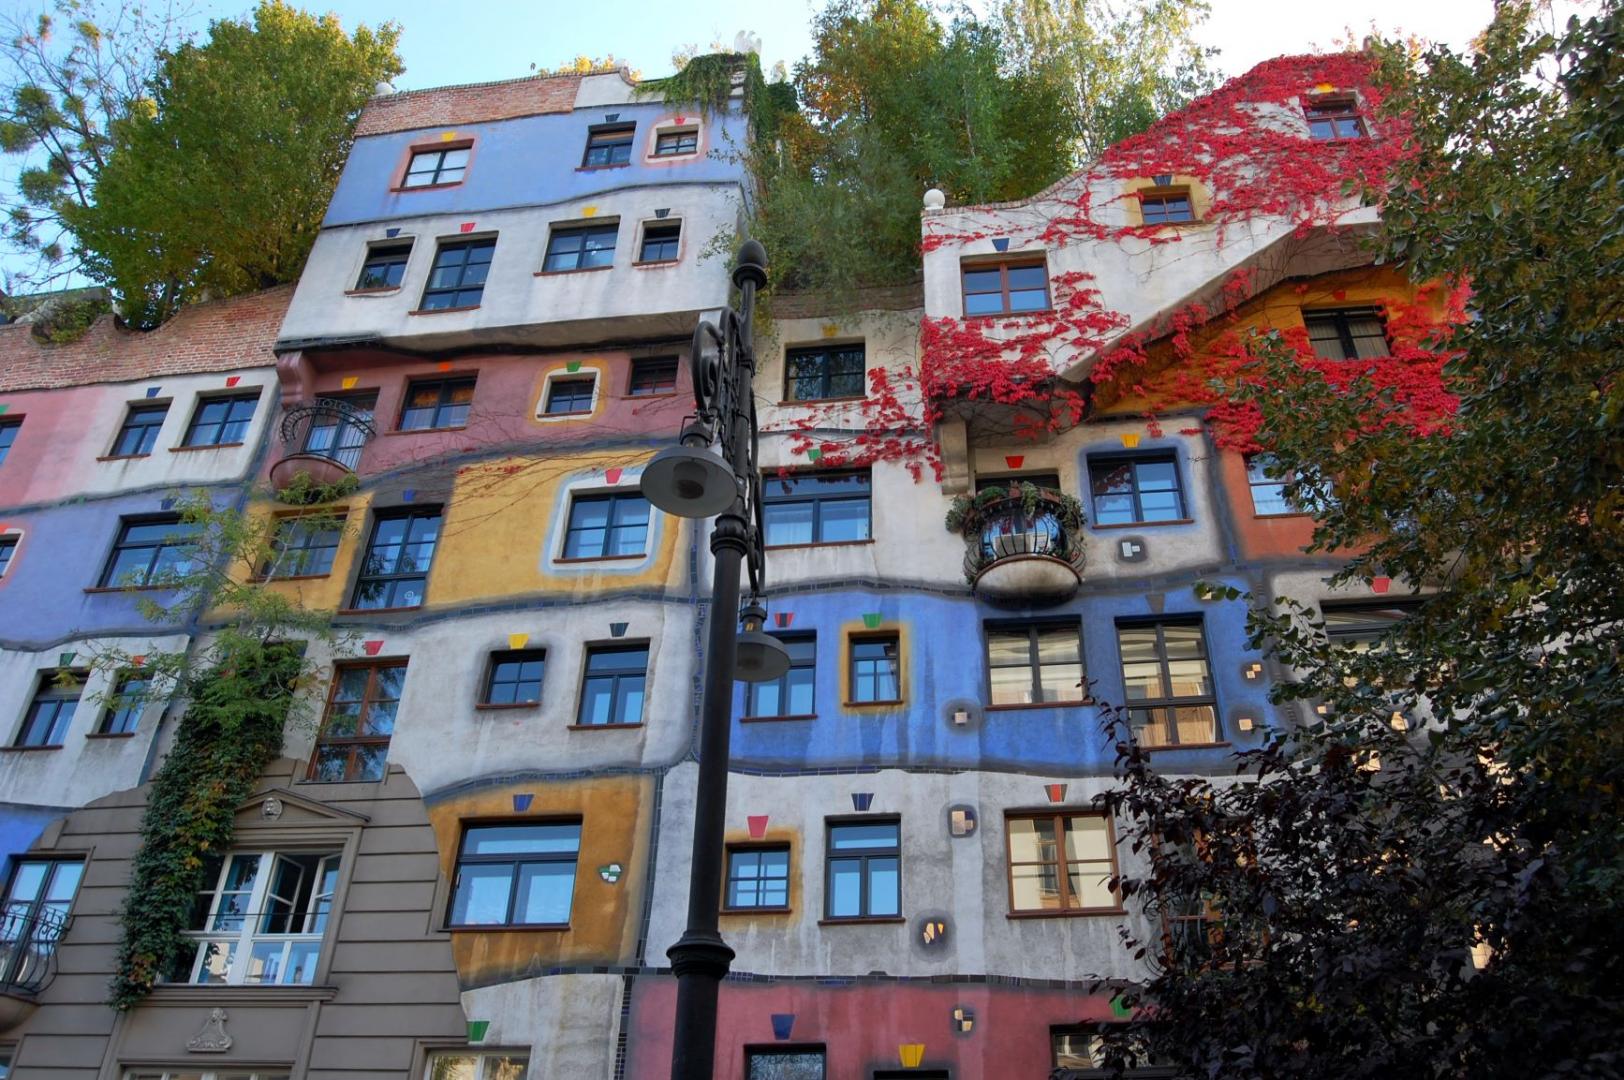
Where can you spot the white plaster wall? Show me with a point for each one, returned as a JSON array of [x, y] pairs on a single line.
[[609, 88], [963, 878], [569, 1023], [517, 305], [83, 769]]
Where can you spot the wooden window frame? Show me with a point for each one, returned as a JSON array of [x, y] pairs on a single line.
[[144, 448], [362, 577], [250, 397], [1334, 108], [1163, 196], [615, 677], [865, 899], [1163, 705], [728, 878], [641, 365], [824, 376], [515, 861], [447, 385], [1033, 628], [1068, 907], [510, 656], [1004, 266], [354, 742]]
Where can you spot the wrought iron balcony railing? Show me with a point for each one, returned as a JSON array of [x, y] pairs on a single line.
[[322, 440], [1024, 547], [28, 939]]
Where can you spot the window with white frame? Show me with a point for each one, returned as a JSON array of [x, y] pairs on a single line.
[[260, 919], [478, 1065]]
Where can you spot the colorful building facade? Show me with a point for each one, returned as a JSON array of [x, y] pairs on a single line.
[[990, 502]]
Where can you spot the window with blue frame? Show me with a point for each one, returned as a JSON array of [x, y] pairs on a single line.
[[612, 686], [757, 877], [588, 247], [516, 874], [792, 694], [815, 508], [222, 421], [863, 870], [609, 526], [1136, 488]]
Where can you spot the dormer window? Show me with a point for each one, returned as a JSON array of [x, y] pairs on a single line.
[[431, 168], [1334, 118], [608, 146], [677, 142], [1166, 206]]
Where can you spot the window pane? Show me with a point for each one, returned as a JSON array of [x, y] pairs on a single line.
[[1183, 641], [1059, 645], [884, 886], [1006, 647], [1028, 277], [788, 523], [1061, 682], [1091, 887], [1035, 888], [1032, 840], [454, 1067], [1195, 724], [845, 888], [865, 837], [523, 839], [482, 895], [545, 890], [982, 281], [1087, 837], [844, 520], [1143, 682], [1010, 685], [983, 303]]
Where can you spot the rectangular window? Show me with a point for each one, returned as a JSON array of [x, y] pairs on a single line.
[[385, 267], [792, 693], [1168, 683], [190, 1074], [652, 376], [864, 872], [50, 714], [1034, 663], [816, 508], [437, 403], [612, 686], [123, 709], [341, 429], [660, 243], [140, 431], [150, 552], [430, 167], [457, 278], [673, 143], [783, 1063], [38, 899], [360, 717], [1060, 862], [757, 877], [516, 874], [1334, 119], [1362, 625], [260, 919], [586, 248], [874, 669], [221, 421], [1165, 207], [396, 569], [567, 397], [8, 548], [303, 547], [824, 373], [1268, 483], [609, 145], [1007, 288], [1347, 333], [474, 1065], [1142, 488], [515, 677], [8, 435], [606, 527]]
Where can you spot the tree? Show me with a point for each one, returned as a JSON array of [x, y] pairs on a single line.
[[1426, 878], [218, 183]]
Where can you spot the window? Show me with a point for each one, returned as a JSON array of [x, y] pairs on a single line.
[[395, 571], [385, 266], [783, 1063], [437, 403], [260, 918], [1337, 118], [1005, 288], [672, 143], [339, 431], [1034, 663], [864, 879], [1347, 333], [150, 552], [1143, 488], [189, 1074], [457, 279], [515, 677], [51, 712], [660, 243], [1362, 625], [612, 687], [874, 675], [140, 431], [303, 547], [1268, 483], [824, 372], [792, 693], [8, 435], [221, 421], [1165, 207], [8, 548], [1080, 1047], [566, 397], [123, 710], [38, 899], [516, 874], [585, 248], [757, 877], [430, 167], [472, 1065], [606, 527], [1168, 683], [1060, 862], [652, 376], [609, 145], [816, 508], [360, 717]]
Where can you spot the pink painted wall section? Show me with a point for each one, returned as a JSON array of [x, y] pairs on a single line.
[[862, 1027]]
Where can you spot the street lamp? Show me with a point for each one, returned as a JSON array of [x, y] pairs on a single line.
[[690, 480]]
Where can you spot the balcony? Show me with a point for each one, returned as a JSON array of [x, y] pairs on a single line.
[[321, 442], [28, 938], [1023, 544]]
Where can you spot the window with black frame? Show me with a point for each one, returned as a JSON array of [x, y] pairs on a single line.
[[825, 372], [303, 546], [1347, 333], [612, 686], [757, 877], [516, 874], [39, 898], [358, 722], [661, 242], [50, 714], [385, 266], [792, 694], [139, 433], [122, 711], [676, 143], [876, 672], [784, 1063], [1136, 489], [863, 870], [1165, 206], [8, 436], [1362, 625], [608, 145], [338, 433], [221, 421], [394, 572], [1037, 663], [1167, 682], [514, 678], [429, 168], [607, 526], [457, 278], [8, 548], [151, 553], [437, 403], [570, 397], [587, 247], [652, 376], [815, 508]]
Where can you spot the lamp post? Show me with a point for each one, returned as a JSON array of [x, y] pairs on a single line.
[[689, 480]]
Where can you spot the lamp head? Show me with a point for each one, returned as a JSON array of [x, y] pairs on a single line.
[[752, 265], [689, 481], [761, 657]]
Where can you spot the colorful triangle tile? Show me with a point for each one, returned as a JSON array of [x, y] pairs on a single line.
[[391, 233], [65, 659], [663, 212], [1056, 792], [152, 391], [518, 641], [572, 366], [477, 1030], [371, 647], [758, 825], [467, 226], [871, 619], [348, 382], [233, 380], [1014, 461], [612, 475], [910, 1054], [617, 629], [862, 800], [408, 495], [783, 1025], [783, 619], [522, 802], [814, 453], [3, 407], [1000, 243]]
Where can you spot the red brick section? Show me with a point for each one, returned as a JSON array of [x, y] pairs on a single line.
[[222, 335], [475, 103]]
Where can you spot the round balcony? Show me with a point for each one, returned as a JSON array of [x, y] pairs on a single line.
[[1023, 546], [322, 443]]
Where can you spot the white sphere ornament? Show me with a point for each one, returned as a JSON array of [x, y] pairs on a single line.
[[934, 199]]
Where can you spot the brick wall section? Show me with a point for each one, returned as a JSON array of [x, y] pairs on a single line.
[[223, 335], [879, 298], [447, 106]]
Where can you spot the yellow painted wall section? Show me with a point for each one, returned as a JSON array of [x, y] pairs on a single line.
[[614, 814]]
